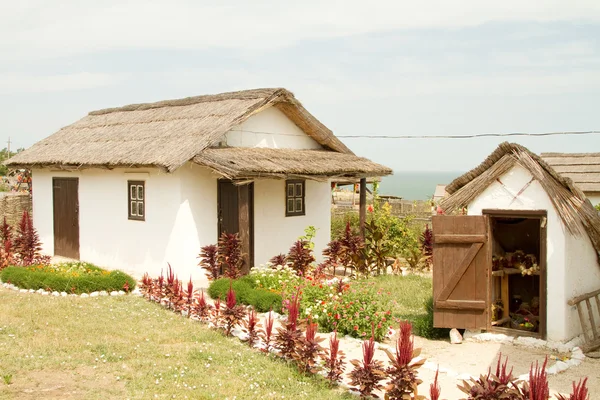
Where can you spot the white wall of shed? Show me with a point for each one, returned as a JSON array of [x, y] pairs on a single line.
[[270, 128], [561, 319], [275, 233]]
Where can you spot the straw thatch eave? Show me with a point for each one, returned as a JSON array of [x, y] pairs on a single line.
[[582, 168], [573, 208], [166, 134], [252, 163]]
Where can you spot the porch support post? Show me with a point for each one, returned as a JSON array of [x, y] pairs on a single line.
[[363, 206], [244, 226]]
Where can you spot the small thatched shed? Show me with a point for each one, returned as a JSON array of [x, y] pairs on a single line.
[[138, 186], [525, 242]]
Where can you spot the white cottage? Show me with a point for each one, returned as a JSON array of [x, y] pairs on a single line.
[[138, 186], [527, 242]]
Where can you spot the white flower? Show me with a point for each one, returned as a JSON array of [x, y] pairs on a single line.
[[315, 316]]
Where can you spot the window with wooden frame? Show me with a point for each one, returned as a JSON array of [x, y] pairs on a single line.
[[136, 200], [294, 198]]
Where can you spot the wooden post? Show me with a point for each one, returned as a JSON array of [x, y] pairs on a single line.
[[244, 225], [363, 206]]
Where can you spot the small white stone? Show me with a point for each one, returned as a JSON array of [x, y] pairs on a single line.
[[14, 288], [573, 362], [121, 293], [103, 293], [44, 293], [94, 294], [63, 294], [55, 293], [552, 370], [114, 293], [577, 354], [84, 295], [31, 291], [40, 291], [455, 336], [23, 290], [561, 366]]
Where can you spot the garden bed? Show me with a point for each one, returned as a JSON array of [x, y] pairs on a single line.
[[70, 277]]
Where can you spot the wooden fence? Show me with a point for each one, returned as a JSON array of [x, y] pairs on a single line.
[[12, 206]]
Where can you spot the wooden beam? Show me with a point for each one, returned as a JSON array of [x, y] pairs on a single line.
[[577, 299], [459, 238], [363, 206], [460, 304], [244, 226]]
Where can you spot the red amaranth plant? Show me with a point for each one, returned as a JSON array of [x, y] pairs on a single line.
[[308, 349], [189, 297], [403, 371], [580, 391], [501, 385], [251, 327], [287, 337], [435, 391], [216, 313], [279, 259], [209, 261], [202, 309], [6, 249], [334, 361], [232, 313], [267, 332], [537, 389], [367, 374], [333, 255], [27, 243], [352, 245], [300, 257], [230, 254]]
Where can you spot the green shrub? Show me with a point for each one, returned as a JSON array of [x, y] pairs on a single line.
[[338, 224], [77, 277], [245, 292], [423, 324]]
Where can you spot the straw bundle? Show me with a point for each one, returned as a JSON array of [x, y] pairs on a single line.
[[582, 168]]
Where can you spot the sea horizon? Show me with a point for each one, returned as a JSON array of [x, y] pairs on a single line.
[[415, 185]]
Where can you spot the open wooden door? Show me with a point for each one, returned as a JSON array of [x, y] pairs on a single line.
[[461, 262]]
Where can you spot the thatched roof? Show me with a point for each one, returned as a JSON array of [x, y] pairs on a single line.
[[582, 168], [166, 134], [573, 208], [243, 163]]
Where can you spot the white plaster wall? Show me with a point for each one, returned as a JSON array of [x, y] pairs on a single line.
[[272, 129], [534, 197], [275, 233], [594, 198], [180, 218]]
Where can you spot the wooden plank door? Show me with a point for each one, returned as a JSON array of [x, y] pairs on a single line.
[[66, 217], [461, 264], [236, 215]]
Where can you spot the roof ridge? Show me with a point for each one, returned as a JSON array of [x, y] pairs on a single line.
[[207, 98]]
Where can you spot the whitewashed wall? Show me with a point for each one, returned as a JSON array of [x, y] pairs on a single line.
[[566, 256], [270, 128], [274, 232], [180, 218], [594, 198]]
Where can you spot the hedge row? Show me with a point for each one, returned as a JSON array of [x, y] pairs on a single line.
[[262, 300]]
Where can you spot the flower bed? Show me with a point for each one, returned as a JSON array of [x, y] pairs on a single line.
[[73, 277]]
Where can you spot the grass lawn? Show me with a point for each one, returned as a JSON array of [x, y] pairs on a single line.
[[125, 347], [404, 295]]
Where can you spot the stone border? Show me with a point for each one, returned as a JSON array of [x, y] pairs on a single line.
[[135, 292]]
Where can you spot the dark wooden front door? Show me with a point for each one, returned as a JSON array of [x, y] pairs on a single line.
[[461, 262], [235, 205], [66, 217]]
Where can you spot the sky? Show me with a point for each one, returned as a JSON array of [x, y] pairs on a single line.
[[362, 68]]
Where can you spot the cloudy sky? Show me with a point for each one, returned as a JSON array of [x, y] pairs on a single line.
[[362, 67]]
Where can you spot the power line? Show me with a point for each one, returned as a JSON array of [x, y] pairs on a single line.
[[473, 136]]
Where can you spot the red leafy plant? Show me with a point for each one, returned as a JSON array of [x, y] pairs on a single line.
[[404, 381], [216, 313], [308, 349], [501, 385], [6, 249], [580, 391], [287, 337], [333, 253], [232, 313], [27, 245], [267, 332], [230, 255], [209, 261], [435, 391], [251, 327], [202, 309], [368, 373], [537, 388], [334, 361], [189, 297], [278, 260], [300, 257]]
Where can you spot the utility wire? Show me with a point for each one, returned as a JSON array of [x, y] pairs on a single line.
[[479, 135]]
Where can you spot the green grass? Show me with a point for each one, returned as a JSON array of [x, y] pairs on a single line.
[[126, 347], [67, 277], [410, 298]]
